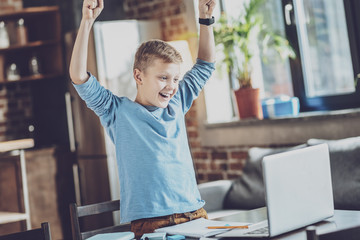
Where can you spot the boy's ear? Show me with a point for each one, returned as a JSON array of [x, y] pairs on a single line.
[[138, 76]]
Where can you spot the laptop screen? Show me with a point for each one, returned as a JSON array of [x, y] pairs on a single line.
[[298, 188]]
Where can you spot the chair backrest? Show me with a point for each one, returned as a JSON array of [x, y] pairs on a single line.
[[87, 210], [42, 233], [351, 233]]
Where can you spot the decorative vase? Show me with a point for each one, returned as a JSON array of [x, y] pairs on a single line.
[[248, 102]]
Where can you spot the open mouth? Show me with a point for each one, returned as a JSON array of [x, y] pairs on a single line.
[[165, 95]]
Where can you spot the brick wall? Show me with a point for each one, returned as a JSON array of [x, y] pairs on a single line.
[[15, 111], [171, 14], [213, 163], [210, 163]]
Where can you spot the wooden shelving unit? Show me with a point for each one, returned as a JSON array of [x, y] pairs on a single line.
[[43, 41]]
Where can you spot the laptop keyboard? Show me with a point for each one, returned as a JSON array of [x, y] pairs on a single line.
[[264, 230]]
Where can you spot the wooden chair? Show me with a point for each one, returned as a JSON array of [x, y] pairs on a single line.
[[352, 233], [42, 233], [81, 211]]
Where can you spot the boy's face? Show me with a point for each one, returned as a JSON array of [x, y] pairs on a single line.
[[157, 84]]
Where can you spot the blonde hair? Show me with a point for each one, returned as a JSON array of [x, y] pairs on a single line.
[[155, 49]]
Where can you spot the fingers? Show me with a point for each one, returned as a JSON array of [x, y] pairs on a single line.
[[99, 8], [101, 4], [203, 2], [92, 8], [206, 7], [90, 4], [211, 5], [209, 2], [206, 2]]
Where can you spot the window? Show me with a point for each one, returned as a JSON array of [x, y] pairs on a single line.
[[324, 49], [325, 35]]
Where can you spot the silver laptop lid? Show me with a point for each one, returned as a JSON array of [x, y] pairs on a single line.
[[298, 188]]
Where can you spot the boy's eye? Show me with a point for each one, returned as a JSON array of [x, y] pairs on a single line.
[[163, 78], [176, 79]]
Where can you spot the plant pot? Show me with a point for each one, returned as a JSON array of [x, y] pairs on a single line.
[[248, 102]]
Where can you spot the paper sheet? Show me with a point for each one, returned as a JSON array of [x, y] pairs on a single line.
[[198, 228]]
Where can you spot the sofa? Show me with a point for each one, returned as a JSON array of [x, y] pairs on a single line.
[[225, 197]]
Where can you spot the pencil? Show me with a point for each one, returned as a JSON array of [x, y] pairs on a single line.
[[227, 227]]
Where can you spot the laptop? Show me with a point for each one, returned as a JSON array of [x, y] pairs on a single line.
[[298, 192]]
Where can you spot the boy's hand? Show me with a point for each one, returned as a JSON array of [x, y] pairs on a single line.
[[92, 9], [206, 8]]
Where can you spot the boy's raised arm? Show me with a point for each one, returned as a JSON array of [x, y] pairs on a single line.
[[78, 64], [206, 40]]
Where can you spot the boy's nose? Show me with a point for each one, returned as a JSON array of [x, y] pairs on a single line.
[[171, 85]]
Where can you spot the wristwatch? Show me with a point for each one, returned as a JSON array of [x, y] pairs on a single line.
[[206, 21]]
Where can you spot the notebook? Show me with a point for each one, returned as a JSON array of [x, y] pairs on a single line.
[[197, 228], [153, 236], [113, 236], [298, 191]]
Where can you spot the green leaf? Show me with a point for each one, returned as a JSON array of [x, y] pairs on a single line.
[[240, 34]]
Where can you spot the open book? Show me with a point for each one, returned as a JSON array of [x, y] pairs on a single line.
[[198, 228]]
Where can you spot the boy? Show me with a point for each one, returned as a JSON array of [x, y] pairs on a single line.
[[157, 179]]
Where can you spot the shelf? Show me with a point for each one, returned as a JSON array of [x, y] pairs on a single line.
[[8, 217], [16, 144], [29, 45], [32, 78], [28, 12]]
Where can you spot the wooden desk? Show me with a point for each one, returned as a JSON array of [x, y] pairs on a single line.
[[341, 219], [15, 149]]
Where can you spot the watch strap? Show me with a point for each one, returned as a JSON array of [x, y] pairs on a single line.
[[206, 21]]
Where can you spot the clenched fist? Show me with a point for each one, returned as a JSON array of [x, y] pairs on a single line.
[[92, 9], [206, 8]]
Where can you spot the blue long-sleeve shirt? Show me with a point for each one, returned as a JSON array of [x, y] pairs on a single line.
[[155, 167]]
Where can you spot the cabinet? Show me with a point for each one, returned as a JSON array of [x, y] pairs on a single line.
[[12, 157], [45, 83], [40, 39], [49, 176], [35, 186]]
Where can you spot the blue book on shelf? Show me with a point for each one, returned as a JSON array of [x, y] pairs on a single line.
[[280, 106]]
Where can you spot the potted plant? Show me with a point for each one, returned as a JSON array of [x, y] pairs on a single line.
[[239, 39]]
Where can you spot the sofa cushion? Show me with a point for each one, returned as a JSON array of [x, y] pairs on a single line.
[[214, 194], [247, 192], [345, 171]]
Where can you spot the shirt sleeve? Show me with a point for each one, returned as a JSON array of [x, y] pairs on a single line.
[[98, 99], [193, 82]]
